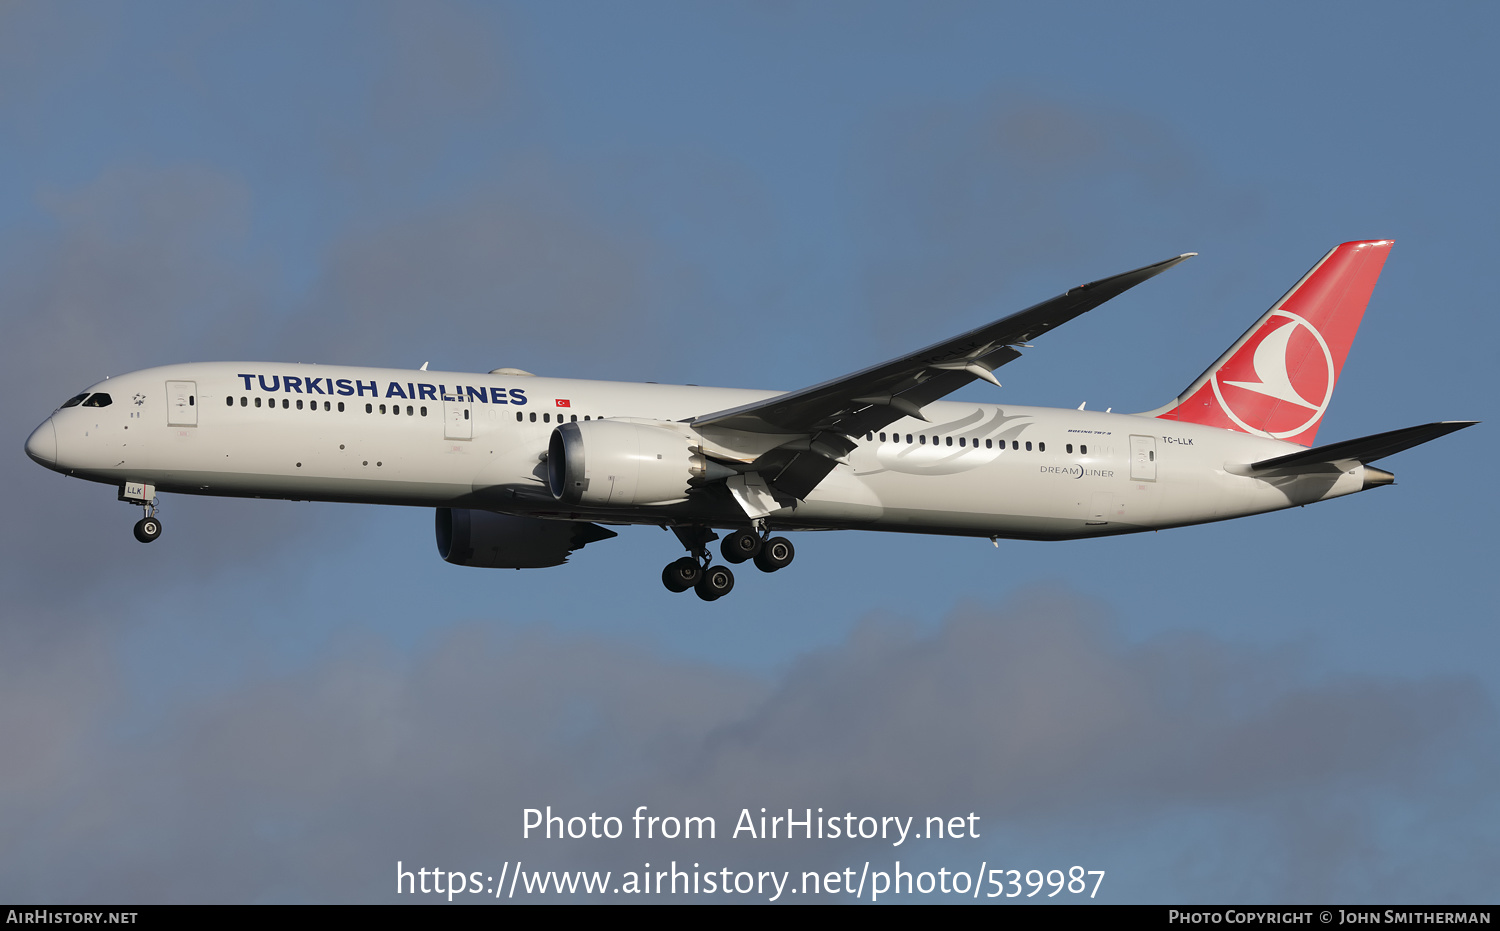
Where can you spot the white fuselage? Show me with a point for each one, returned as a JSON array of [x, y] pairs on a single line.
[[442, 439]]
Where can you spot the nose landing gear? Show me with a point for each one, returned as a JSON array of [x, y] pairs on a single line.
[[148, 528]]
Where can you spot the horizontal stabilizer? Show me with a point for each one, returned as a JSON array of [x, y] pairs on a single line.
[[1339, 457]]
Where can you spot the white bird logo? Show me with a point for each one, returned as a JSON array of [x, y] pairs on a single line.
[[1270, 368], [1275, 381]]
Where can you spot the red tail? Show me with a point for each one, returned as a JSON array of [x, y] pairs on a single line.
[[1277, 379]]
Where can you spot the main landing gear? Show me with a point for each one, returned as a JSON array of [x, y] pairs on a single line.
[[714, 582]]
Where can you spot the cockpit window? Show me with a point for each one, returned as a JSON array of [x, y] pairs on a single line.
[[75, 400], [97, 399]]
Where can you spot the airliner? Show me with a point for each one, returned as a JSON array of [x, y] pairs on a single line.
[[524, 470]]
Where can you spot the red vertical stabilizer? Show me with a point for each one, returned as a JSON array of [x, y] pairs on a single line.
[[1278, 378]]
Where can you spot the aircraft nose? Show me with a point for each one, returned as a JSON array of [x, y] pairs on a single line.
[[42, 444]]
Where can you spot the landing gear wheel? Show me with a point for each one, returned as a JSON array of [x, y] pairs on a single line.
[[717, 581], [740, 546], [147, 529], [776, 554], [681, 575]]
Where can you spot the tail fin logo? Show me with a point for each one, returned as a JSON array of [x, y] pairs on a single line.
[[1284, 359]]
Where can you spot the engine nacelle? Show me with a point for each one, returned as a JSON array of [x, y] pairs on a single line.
[[502, 541], [621, 464]]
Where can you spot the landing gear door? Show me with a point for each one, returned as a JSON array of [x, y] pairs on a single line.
[[182, 404], [1143, 458], [458, 422]]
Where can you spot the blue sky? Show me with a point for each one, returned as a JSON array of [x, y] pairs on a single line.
[[278, 701]]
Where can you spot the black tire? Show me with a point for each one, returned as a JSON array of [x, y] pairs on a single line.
[[717, 582], [740, 546], [147, 529], [776, 554], [681, 575]]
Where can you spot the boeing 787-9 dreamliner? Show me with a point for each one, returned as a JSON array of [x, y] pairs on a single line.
[[524, 470]]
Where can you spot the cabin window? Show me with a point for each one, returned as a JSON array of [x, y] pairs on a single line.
[[520, 416], [286, 405], [190, 401], [1028, 446], [960, 441], [229, 402], [299, 404], [575, 418], [1151, 456], [1084, 449], [989, 444], [244, 401], [1070, 447], [368, 408], [257, 402], [424, 411], [408, 410], [1041, 447], [533, 416], [341, 407], [466, 414], [382, 408]]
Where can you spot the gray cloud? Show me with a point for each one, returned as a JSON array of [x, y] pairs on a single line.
[[311, 786]]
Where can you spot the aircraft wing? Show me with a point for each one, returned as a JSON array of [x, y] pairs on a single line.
[[826, 415]]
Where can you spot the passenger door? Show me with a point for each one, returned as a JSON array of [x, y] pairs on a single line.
[[458, 422], [182, 404]]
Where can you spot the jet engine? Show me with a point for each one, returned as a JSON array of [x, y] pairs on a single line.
[[502, 541], [623, 464]]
